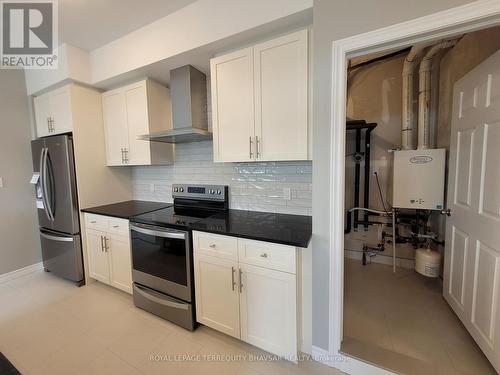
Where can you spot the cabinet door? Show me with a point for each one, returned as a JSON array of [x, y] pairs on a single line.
[[268, 310], [98, 258], [60, 108], [120, 263], [280, 68], [136, 103], [233, 106], [115, 126], [42, 115], [217, 299]]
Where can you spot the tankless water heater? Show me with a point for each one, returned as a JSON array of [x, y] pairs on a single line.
[[418, 180]]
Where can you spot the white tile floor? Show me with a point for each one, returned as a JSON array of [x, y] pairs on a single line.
[[49, 326], [401, 322]]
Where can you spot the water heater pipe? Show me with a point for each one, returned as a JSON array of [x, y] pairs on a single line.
[[424, 92], [407, 127]]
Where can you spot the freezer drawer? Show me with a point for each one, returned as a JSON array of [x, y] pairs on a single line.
[[62, 255]]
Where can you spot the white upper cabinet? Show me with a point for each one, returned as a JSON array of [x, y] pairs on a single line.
[[280, 84], [53, 112], [260, 101], [115, 115], [131, 111], [233, 106]]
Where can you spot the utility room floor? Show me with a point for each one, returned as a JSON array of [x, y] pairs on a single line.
[[401, 322]]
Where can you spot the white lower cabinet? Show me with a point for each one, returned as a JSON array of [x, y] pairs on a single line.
[[248, 298], [217, 294], [268, 309], [108, 250], [98, 258]]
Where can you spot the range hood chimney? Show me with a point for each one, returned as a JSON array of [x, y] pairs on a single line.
[[188, 92]]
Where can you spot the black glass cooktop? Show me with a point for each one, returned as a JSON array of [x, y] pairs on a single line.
[[174, 216]]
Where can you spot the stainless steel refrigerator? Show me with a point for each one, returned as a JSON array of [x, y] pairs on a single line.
[[57, 203]]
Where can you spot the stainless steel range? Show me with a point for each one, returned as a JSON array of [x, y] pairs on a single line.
[[162, 252]]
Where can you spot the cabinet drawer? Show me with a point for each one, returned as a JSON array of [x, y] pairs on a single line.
[[215, 245], [118, 226], [267, 255], [97, 222]]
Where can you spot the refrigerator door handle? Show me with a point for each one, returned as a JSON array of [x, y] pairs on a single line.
[[42, 182], [45, 190], [56, 238]]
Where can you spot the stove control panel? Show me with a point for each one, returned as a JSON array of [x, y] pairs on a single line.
[[205, 192]]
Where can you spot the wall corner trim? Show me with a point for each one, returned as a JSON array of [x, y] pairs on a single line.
[[6, 277]]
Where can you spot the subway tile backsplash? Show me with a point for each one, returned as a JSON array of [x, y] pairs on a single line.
[[257, 186]]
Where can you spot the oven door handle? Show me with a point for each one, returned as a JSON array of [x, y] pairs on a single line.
[[158, 300], [160, 233]]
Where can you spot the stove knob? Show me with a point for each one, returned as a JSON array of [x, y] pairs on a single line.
[[212, 191], [175, 190], [181, 190], [219, 192]]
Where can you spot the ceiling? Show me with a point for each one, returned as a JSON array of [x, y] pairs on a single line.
[[89, 24]]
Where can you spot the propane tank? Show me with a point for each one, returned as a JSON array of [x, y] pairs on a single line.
[[427, 262]]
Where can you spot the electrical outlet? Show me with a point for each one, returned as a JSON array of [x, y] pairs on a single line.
[[152, 188], [287, 193], [375, 170]]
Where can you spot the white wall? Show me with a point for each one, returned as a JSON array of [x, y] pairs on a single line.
[[19, 240], [73, 64], [335, 20], [191, 28]]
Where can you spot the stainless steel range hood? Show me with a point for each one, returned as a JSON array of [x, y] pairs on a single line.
[[188, 91]]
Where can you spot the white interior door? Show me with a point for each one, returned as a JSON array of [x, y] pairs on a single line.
[[472, 254]]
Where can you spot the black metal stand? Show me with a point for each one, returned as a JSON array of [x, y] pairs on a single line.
[[358, 126]]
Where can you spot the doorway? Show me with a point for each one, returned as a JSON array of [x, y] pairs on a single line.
[[344, 48]]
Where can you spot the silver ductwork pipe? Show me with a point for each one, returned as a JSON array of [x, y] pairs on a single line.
[[424, 92], [407, 122]]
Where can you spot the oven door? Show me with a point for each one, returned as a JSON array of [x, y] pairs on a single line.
[[161, 259]]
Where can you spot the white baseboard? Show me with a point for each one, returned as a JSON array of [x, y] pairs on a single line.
[[20, 272], [322, 356]]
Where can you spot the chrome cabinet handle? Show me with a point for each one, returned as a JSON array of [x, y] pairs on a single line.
[[257, 143], [106, 247], [116, 226], [123, 159], [93, 222], [233, 283], [241, 282], [102, 244], [48, 124], [250, 147], [212, 246], [263, 255], [126, 154]]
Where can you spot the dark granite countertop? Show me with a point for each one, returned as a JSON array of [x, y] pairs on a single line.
[[293, 230], [127, 209]]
